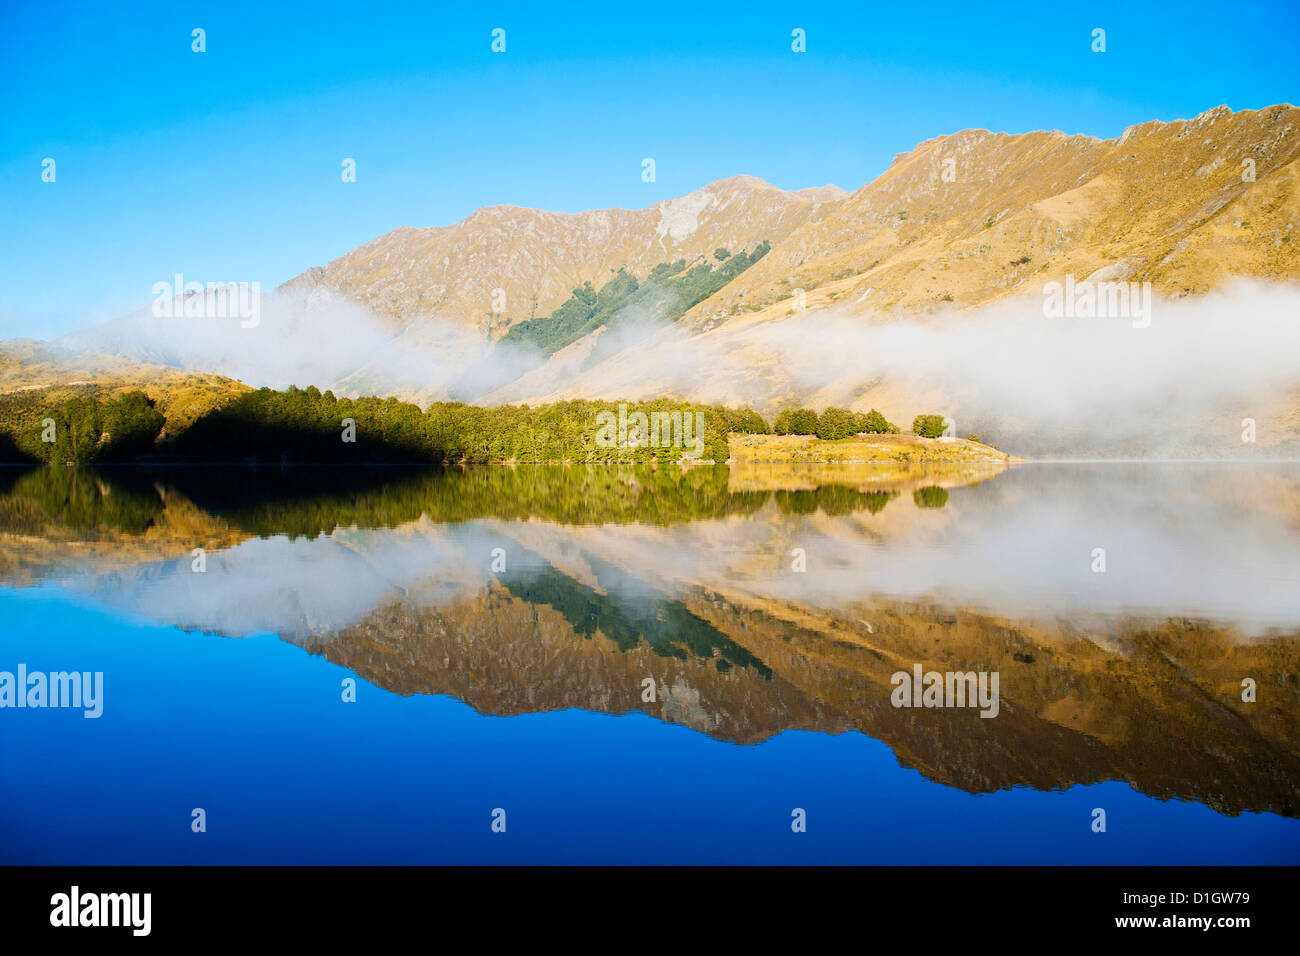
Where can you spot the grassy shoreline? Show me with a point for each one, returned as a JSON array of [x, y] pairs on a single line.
[[858, 449]]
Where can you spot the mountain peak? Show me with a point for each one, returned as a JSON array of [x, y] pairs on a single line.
[[741, 181], [504, 264]]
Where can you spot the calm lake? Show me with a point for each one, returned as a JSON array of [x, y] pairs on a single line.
[[619, 665]]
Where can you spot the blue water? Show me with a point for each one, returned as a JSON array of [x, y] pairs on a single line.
[[256, 733]]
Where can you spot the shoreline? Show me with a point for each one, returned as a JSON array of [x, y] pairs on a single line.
[[861, 449]]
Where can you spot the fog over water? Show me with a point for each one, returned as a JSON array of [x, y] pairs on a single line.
[[1214, 541], [1051, 385]]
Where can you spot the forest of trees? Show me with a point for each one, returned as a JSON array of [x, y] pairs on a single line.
[[306, 425], [833, 423], [85, 427], [665, 296]]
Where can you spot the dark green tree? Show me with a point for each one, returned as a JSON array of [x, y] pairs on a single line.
[[796, 421], [928, 426], [835, 423]]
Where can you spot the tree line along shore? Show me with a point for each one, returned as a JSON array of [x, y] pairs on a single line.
[[305, 425]]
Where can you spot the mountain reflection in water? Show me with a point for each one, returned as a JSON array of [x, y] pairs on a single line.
[[537, 589]]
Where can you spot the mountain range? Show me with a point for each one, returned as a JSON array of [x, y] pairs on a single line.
[[1164, 202], [879, 297]]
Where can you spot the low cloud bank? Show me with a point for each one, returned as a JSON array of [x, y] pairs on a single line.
[[1066, 385], [313, 337], [1043, 385]]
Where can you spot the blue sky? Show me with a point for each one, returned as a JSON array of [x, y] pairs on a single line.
[[225, 165]]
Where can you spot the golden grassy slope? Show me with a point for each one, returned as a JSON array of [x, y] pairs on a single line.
[[808, 449], [180, 395], [1165, 202]]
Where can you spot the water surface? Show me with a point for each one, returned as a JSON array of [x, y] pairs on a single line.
[[502, 626]]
